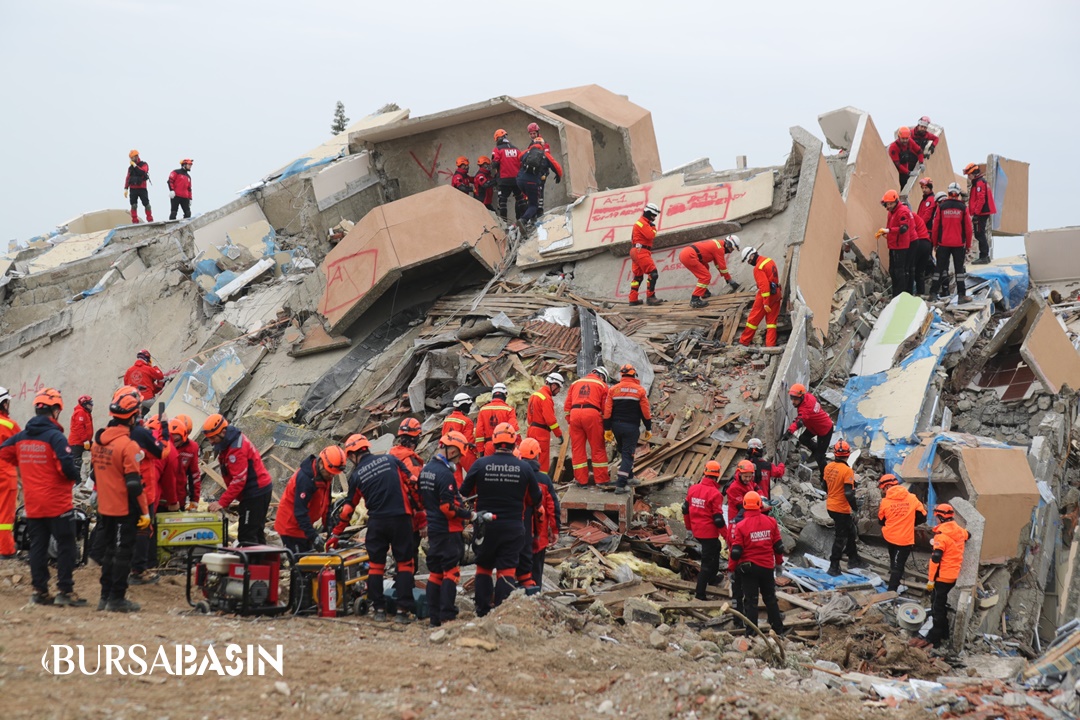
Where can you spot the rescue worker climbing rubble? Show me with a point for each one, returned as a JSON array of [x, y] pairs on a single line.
[[447, 514], [534, 135], [818, 424], [536, 164], [540, 417], [767, 302], [145, 376], [306, 499], [584, 409], [138, 174], [496, 411], [81, 433], [839, 484], [905, 154], [697, 257], [765, 471], [245, 475], [641, 259], [981, 207], [703, 510], [926, 140], [505, 164], [484, 183], [898, 513], [626, 409], [946, 560]]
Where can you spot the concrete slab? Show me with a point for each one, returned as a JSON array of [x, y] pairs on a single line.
[[70, 249], [1050, 353], [1008, 181], [841, 126], [903, 318], [96, 221], [257, 238], [1005, 496], [211, 229], [1052, 255]]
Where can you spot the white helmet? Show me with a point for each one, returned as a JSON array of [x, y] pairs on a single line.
[[924, 121], [748, 252], [601, 371], [462, 399], [499, 388], [4, 394], [941, 196], [555, 379], [651, 209], [755, 444], [731, 243], [954, 188]]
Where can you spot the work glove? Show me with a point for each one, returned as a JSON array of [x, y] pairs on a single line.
[[881, 232], [647, 436], [558, 179], [172, 194], [192, 506], [779, 571], [86, 445], [144, 522], [609, 436], [332, 542], [930, 586], [780, 469], [734, 285], [485, 516], [125, 192], [319, 543], [786, 436]]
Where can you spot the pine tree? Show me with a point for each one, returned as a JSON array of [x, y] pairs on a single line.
[[340, 121]]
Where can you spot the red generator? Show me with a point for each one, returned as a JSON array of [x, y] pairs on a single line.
[[242, 580]]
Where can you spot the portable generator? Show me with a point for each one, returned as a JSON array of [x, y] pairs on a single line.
[[243, 580], [331, 583], [177, 532]]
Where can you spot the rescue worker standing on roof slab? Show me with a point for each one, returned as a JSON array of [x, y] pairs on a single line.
[[841, 504], [765, 471], [123, 509], [946, 559], [697, 257], [246, 478], [905, 154], [818, 424], [540, 417], [899, 235], [306, 499], [625, 411], [767, 302], [536, 163], [461, 179], [180, 189], [484, 183], [641, 259], [82, 430], [447, 515], [42, 456], [584, 409], [898, 513], [921, 136], [505, 164], [138, 174], [391, 496], [404, 449], [703, 510], [458, 420], [758, 552], [951, 238], [496, 411], [9, 480], [504, 485], [981, 207], [187, 454]]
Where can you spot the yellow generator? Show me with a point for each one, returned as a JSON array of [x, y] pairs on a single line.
[[177, 532], [331, 583]]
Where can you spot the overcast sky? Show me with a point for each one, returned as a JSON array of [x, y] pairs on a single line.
[[244, 86]]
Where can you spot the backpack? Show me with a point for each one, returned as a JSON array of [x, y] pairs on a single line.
[[534, 161]]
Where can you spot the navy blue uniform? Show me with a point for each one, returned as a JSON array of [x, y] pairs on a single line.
[[447, 514]]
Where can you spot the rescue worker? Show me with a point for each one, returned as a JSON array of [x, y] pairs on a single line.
[[703, 511], [180, 189], [246, 478], [458, 420], [123, 509], [138, 174], [921, 136], [504, 485], [981, 207], [392, 497], [404, 449], [899, 234], [928, 205], [306, 499], [534, 135], [905, 154], [534, 522], [149, 438], [461, 179], [496, 411], [742, 482], [447, 514], [758, 552], [43, 458], [9, 480], [767, 302], [484, 183], [505, 164], [536, 163], [187, 456], [765, 471], [697, 257], [626, 409], [641, 259], [82, 429], [818, 424], [584, 410], [841, 505], [898, 513], [920, 257], [951, 238], [540, 417], [546, 531], [946, 559], [356, 445], [145, 376]]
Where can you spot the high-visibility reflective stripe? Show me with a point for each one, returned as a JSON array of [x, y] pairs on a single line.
[[765, 295], [634, 284], [582, 465], [702, 285], [7, 423], [752, 327], [554, 426], [456, 420], [767, 326], [539, 395], [763, 263], [8, 527]]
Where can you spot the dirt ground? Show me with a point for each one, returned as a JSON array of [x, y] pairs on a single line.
[[547, 662]]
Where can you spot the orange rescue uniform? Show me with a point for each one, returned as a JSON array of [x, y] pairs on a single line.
[[540, 417], [950, 539], [584, 409], [837, 477], [897, 510], [641, 260], [697, 257], [495, 412], [463, 424], [115, 455], [767, 279], [9, 489]]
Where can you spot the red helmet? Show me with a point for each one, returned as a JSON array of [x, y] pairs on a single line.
[[904, 133], [357, 443], [215, 425], [798, 390], [143, 355], [49, 397], [333, 459], [504, 434], [887, 481], [530, 449], [409, 427], [125, 402], [751, 501], [927, 183], [455, 439], [841, 448], [712, 469], [533, 127], [86, 401]]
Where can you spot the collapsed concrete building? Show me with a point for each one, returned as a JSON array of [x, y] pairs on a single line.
[[352, 287]]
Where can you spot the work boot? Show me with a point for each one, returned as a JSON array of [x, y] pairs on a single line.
[[401, 618], [834, 568], [963, 299], [696, 302], [143, 578], [69, 599], [622, 490], [635, 303], [149, 216], [981, 260], [380, 616], [101, 604], [708, 293], [41, 598], [856, 563], [653, 300], [135, 216], [122, 606], [606, 487], [633, 482]]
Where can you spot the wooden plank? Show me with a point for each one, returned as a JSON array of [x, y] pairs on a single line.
[[797, 601], [213, 475], [695, 605], [562, 460], [611, 597], [685, 586]]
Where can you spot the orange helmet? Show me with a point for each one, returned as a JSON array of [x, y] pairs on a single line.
[[530, 449], [971, 168], [797, 390], [944, 511], [133, 154], [357, 442], [751, 501], [841, 448], [153, 422], [500, 133], [483, 160], [504, 434], [125, 402], [628, 370], [187, 161], [745, 467], [887, 481], [890, 196], [49, 397], [904, 133], [409, 427], [215, 425], [186, 419], [462, 161], [712, 469], [333, 459], [177, 427], [455, 439]]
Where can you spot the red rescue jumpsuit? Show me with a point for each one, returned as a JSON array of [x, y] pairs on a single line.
[[767, 279], [584, 407], [9, 489], [540, 417], [696, 259], [641, 261]]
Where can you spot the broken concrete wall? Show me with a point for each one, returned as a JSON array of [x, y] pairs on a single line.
[[1008, 181], [210, 229], [96, 221], [794, 368], [1004, 493], [1050, 354], [1052, 255]]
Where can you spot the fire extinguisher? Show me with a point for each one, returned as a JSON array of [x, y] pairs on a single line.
[[327, 593]]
